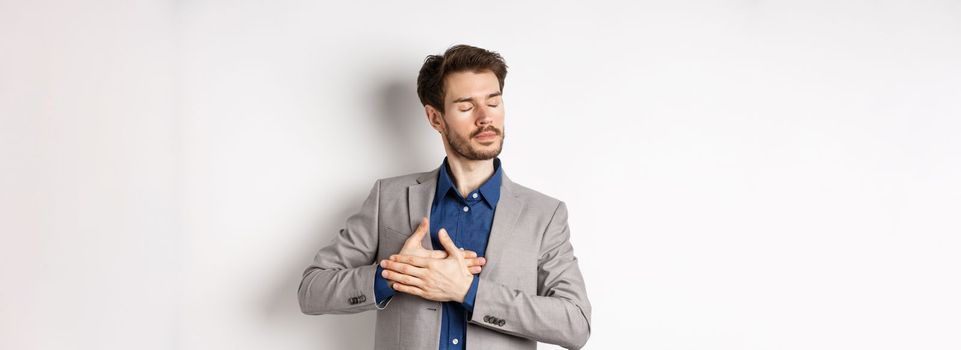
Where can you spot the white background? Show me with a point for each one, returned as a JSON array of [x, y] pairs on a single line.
[[740, 174]]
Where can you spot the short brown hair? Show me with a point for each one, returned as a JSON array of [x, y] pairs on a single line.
[[457, 58]]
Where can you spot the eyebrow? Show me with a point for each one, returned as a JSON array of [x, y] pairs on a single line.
[[468, 98]]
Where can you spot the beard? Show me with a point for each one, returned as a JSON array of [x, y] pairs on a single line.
[[462, 145]]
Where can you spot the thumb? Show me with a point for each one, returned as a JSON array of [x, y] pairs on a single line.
[[448, 244], [422, 229]]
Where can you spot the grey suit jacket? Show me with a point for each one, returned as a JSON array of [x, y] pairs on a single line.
[[530, 290]]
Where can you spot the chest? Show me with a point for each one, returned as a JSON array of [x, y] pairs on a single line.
[[467, 221]]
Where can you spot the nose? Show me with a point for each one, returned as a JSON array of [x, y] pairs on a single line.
[[483, 118]]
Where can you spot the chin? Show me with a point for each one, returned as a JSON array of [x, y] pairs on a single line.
[[487, 149]]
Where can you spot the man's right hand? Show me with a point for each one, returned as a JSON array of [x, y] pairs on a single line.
[[414, 247]]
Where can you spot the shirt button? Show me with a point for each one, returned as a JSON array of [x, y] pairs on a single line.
[[466, 209], [475, 195], [454, 341]]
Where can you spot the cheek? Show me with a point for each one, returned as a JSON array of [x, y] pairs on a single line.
[[498, 118], [498, 113], [456, 127]]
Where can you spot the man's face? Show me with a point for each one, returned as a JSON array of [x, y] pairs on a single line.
[[473, 120]]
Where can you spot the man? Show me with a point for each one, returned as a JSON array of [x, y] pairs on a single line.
[[460, 254]]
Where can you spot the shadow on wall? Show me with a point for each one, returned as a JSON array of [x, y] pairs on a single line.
[[398, 128], [403, 120]]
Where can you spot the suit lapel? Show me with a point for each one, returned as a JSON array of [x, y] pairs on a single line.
[[419, 199], [505, 217]]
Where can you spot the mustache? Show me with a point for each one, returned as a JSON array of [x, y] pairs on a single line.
[[488, 128]]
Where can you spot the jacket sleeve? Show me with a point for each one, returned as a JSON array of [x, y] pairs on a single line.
[[560, 313], [341, 278]]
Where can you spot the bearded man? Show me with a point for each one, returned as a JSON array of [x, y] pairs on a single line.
[[460, 254]]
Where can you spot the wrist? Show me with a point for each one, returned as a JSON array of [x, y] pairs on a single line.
[[462, 294]]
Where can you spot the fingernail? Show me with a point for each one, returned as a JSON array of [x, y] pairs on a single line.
[[383, 263]]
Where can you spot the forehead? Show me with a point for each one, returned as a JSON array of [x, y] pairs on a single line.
[[470, 84]]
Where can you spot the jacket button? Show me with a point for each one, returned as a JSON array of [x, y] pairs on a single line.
[[501, 323], [487, 318]]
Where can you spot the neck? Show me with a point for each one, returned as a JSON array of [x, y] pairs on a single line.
[[467, 174]]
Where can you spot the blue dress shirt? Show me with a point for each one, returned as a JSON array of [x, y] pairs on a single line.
[[468, 221]]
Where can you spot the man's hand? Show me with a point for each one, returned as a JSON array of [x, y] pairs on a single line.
[[446, 279], [414, 247]]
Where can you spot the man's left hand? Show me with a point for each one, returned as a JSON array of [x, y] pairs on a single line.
[[446, 279]]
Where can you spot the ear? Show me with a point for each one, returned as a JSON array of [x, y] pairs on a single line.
[[434, 117]]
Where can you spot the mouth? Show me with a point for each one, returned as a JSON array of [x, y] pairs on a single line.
[[486, 136]]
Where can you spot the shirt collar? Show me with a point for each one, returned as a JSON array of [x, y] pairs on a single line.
[[490, 189]]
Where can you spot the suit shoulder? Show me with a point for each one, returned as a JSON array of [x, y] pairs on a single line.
[[400, 182], [536, 198]]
